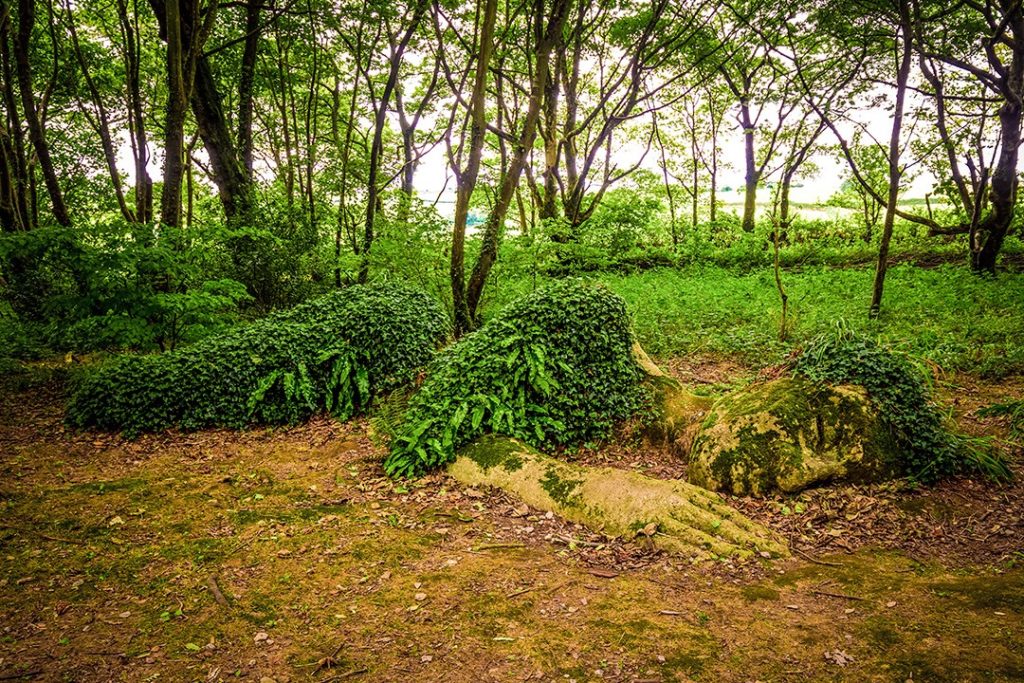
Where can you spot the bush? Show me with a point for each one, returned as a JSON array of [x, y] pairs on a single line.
[[553, 368], [334, 353], [114, 285], [903, 398]]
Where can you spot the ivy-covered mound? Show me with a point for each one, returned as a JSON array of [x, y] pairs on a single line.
[[335, 353], [851, 411], [553, 368], [928, 449]]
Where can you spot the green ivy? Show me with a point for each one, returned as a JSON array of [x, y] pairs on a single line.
[[333, 353], [903, 397], [553, 368]]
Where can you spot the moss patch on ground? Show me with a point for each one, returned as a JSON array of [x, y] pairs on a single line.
[[110, 551]]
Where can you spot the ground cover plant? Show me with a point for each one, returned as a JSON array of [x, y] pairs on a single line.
[[553, 368], [334, 353]]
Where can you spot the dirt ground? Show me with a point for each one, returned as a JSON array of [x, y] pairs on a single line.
[[286, 555]]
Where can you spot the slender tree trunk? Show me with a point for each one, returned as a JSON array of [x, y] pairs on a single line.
[[987, 238], [21, 216], [752, 176], [174, 125], [245, 84], [22, 58], [468, 176], [895, 171], [101, 122], [510, 181], [548, 206], [377, 146], [136, 116], [234, 186]]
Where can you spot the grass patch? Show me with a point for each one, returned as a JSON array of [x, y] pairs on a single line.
[[945, 315]]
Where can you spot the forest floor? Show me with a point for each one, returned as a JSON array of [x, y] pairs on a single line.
[[286, 555]]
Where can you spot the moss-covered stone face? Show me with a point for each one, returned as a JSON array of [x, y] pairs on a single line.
[[789, 434]]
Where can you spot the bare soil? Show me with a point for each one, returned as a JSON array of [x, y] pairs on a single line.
[[286, 555]]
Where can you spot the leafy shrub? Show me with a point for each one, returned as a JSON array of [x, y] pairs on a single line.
[[903, 398], [1013, 411], [333, 353], [114, 285], [553, 368]]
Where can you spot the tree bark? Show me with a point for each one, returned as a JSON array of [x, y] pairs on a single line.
[[234, 184], [468, 176], [751, 176], [136, 115], [101, 123], [510, 181], [895, 172], [14, 141], [177, 107], [245, 84], [22, 58]]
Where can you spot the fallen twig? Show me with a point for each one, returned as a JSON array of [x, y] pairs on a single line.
[[40, 534], [815, 560], [347, 674], [211, 583], [497, 546], [837, 595]]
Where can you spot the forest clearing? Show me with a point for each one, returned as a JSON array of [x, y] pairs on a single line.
[[635, 341]]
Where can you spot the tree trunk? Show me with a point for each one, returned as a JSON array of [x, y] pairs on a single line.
[[234, 186], [510, 181], [22, 58], [751, 176], [136, 115], [548, 205], [895, 172], [377, 146], [17, 163], [987, 238], [100, 122], [177, 107], [245, 84], [467, 178]]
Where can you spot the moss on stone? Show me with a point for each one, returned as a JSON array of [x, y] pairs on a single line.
[[689, 520], [789, 434], [564, 491], [490, 451]]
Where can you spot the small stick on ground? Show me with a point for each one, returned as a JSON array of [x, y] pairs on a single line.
[[211, 583], [498, 546], [41, 535], [837, 595], [347, 674], [25, 674], [815, 560]]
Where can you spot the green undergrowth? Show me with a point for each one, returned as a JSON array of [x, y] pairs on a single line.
[[945, 315], [554, 368], [928, 447], [333, 353]]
